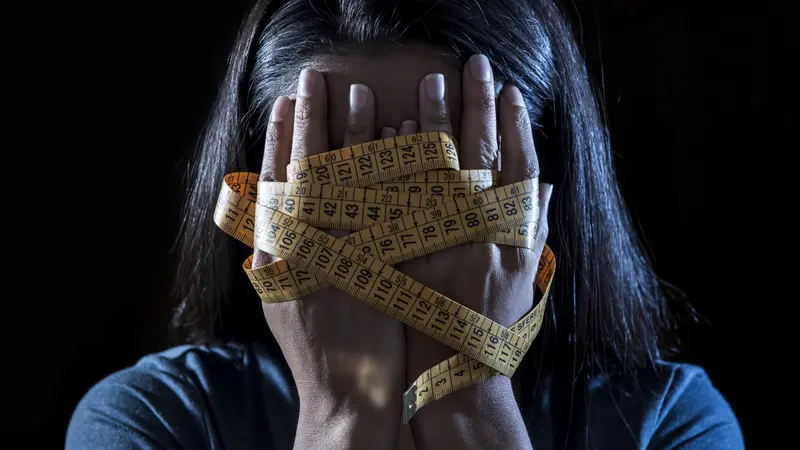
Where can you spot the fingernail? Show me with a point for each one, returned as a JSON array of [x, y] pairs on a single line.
[[358, 97], [409, 127], [306, 84], [515, 96], [388, 132], [434, 87], [479, 68], [281, 109]]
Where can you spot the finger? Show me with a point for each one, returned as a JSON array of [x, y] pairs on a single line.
[[310, 135], [433, 114], [277, 148], [519, 161], [278, 143], [361, 118], [409, 127], [388, 132], [479, 116]]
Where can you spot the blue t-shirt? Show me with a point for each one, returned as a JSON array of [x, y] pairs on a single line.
[[235, 396]]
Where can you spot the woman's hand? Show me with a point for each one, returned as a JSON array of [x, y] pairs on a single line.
[[495, 280], [347, 359]]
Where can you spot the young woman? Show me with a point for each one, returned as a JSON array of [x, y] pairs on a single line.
[[504, 77]]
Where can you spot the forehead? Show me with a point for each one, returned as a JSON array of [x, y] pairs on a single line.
[[394, 76]]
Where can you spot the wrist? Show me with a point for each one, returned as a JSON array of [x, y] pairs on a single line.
[[482, 416], [346, 421]]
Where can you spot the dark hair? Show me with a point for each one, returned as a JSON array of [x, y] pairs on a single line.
[[609, 306]]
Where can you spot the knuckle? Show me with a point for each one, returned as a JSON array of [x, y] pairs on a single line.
[[304, 114], [487, 150], [357, 127], [274, 135], [437, 116], [486, 104], [273, 142], [521, 120], [526, 258], [531, 164], [483, 100], [268, 168], [484, 252]]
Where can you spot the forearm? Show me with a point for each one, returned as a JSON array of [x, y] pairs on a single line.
[[326, 423], [482, 416]]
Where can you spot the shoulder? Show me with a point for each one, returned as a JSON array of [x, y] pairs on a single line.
[[152, 404], [689, 412], [188, 397], [670, 406]]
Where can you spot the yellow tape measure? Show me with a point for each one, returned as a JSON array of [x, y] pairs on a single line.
[[461, 371], [377, 161], [422, 207]]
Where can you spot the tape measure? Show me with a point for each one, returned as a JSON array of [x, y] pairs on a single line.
[[407, 198]]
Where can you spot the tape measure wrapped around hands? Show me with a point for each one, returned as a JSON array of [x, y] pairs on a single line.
[[405, 197]]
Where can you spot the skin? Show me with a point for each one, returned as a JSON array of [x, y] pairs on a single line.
[[351, 374]]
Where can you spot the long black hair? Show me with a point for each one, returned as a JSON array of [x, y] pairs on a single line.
[[609, 307]]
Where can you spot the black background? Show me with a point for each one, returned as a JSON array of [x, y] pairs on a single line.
[[691, 89]]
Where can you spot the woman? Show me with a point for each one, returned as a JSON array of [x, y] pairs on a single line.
[[328, 371]]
